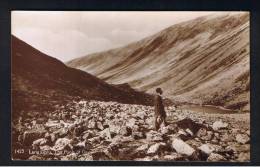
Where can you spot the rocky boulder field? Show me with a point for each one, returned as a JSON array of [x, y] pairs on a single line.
[[93, 130]]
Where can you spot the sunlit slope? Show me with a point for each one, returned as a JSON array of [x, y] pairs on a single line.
[[205, 60]]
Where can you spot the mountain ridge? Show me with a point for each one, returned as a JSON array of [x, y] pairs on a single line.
[[40, 82], [199, 61]]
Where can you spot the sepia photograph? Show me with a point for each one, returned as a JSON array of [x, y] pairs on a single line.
[[130, 85]]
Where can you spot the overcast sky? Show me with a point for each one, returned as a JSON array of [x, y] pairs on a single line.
[[67, 35]]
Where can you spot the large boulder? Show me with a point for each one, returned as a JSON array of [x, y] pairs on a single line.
[[209, 148], [182, 147], [213, 157], [219, 125], [242, 138], [206, 148], [155, 148]]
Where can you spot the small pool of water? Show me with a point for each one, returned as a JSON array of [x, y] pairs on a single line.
[[209, 109]]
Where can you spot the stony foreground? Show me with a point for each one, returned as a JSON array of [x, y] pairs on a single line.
[[91, 130]]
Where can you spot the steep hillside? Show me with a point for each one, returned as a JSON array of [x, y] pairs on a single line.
[[203, 61], [40, 82]]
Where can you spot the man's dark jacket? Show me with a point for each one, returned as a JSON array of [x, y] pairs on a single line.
[[159, 108]]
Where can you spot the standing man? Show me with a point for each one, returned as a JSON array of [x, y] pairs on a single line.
[[160, 114]]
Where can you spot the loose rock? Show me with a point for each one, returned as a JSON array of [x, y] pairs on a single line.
[[182, 148], [61, 144], [155, 148], [208, 148], [242, 138], [219, 125], [213, 157]]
